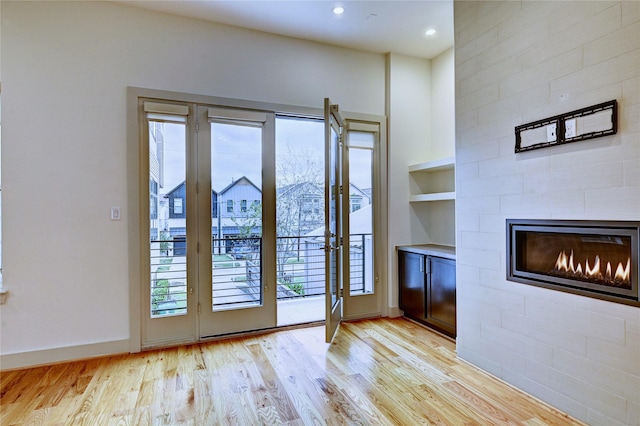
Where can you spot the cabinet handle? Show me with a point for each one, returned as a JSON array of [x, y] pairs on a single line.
[[427, 265], [422, 259]]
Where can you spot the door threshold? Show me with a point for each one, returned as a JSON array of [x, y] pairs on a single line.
[[261, 331]]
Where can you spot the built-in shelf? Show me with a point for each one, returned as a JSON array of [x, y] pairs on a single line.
[[433, 181], [437, 196], [432, 195], [433, 166]]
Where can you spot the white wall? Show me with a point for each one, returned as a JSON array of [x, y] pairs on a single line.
[[517, 62], [442, 106], [421, 114], [409, 117], [65, 70]]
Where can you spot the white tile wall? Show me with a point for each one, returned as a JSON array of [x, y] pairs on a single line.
[[517, 62]]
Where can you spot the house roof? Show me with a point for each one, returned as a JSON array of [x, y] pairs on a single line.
[[353, 186], [360, 222], [180, 185], [236, 182], [294, 188]]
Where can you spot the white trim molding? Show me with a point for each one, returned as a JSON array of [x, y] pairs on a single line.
[[68, 353]]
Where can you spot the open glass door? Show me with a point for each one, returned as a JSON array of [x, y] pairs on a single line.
[[334, 126]]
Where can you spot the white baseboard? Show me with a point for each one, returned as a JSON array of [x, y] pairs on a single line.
[[394, 312], [68, 353]]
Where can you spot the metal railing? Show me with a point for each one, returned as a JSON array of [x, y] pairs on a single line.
[[168, 278], [237, 271]]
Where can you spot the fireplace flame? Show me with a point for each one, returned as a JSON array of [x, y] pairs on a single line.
[[592, 272], [623, 274], [565, 263]]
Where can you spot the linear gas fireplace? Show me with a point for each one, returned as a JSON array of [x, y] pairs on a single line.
[[592, 258]]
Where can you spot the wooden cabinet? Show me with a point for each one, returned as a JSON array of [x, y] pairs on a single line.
[[441, 294], [428, 289], [412, 284]]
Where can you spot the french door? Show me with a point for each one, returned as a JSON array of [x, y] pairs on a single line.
[[211, 259], [352, 232], [236, 167], [211, 251]]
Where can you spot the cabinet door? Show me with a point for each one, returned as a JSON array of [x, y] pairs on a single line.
[[441, 295], [412, 284]]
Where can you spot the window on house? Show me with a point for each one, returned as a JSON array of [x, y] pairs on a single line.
[[177, 206], [229, 206], [153, 199], [356, 204], [243, 206]]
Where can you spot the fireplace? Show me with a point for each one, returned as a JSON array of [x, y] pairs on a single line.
[[592, 258]]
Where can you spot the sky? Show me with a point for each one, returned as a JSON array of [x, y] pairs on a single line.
[[237, 151]]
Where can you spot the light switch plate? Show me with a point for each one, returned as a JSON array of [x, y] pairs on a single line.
[[116, 213]]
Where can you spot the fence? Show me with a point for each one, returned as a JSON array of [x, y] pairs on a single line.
[[237, 271]]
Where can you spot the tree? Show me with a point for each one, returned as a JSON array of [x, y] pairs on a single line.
[[249, 229], [299, 201]]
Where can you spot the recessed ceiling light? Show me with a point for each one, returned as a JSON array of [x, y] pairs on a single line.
[[430, 32], [338, 10]]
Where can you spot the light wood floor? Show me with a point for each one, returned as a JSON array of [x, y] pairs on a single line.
[[388, 371]]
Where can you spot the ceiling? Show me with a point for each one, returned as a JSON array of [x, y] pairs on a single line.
[[380, 26]]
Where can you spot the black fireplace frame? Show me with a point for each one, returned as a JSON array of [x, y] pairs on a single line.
[[626, 228]]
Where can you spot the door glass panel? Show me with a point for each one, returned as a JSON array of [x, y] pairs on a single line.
[[300, 220], [360, 212], [167, 218], [334, 183], [236, 206]]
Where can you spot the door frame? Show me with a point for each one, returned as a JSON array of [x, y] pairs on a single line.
[[368, 305], [132, 210]]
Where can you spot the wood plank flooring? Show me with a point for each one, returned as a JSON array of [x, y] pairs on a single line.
[[376, 372]]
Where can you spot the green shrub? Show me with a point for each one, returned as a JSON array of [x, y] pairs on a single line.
[[222, 257], [297, 286], [160, 293]]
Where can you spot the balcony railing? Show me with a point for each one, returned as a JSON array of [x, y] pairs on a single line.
[[237, 271]]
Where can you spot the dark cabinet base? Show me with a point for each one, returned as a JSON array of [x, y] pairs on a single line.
[[428, 290], [430, 326]]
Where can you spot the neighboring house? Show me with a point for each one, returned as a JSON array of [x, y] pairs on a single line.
[[358, 198], [176, 222], [360, 254], [237, 198], [236, 203], [176, 206], [300, 208], [239, 205], [156, 143]]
